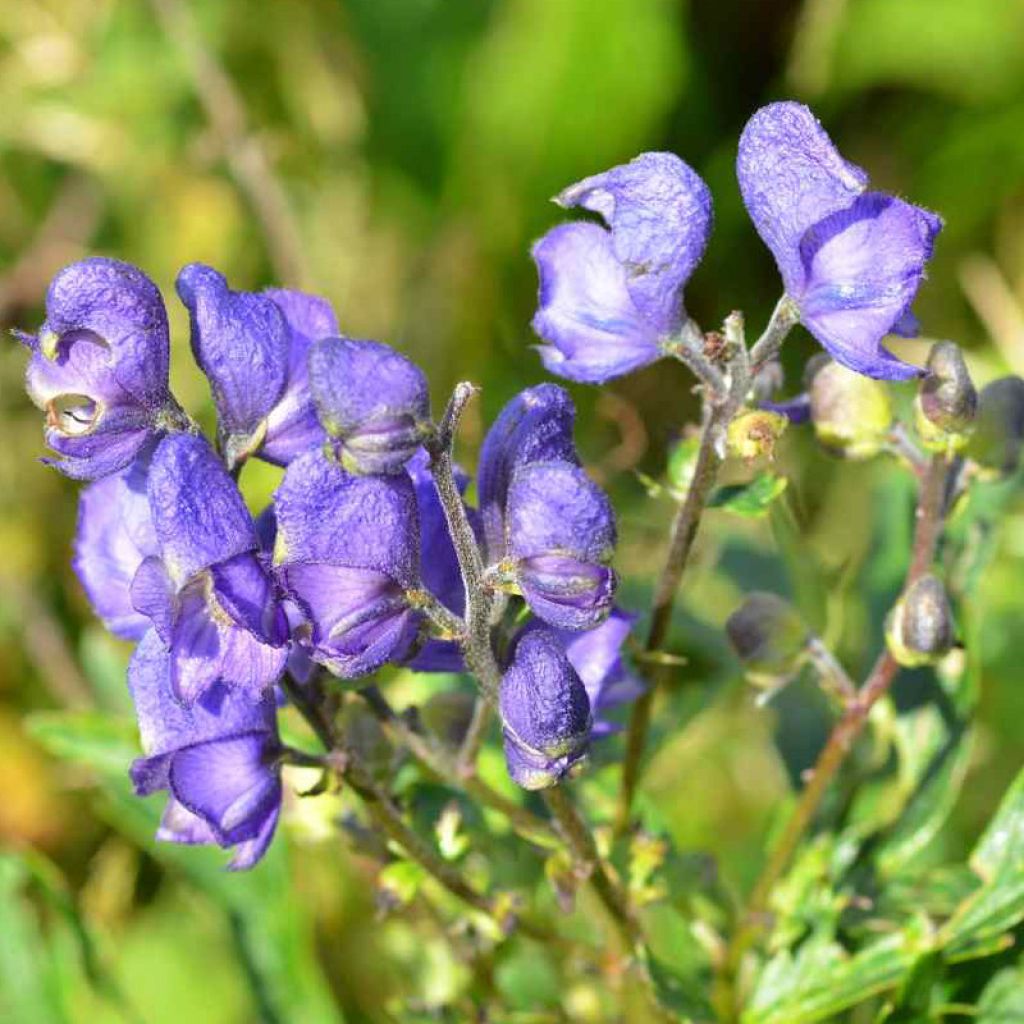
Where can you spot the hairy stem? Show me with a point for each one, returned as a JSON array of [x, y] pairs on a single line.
[[928, 523]]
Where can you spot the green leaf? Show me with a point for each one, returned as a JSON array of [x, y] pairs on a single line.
[[102, 742], [752, 500], [998, 860], [682, 461], [1002, 1001]]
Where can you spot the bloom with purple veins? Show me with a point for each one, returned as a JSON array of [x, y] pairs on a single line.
[[99, 366], [347, 553], [218, 759], [537, 425], [610, 298], [115, 535], [851, 260], [596, 655], [545, 712], [241, 342], [561, 537], [208, 593], [372, 400]]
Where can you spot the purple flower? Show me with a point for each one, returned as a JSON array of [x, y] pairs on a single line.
[[216, 758], [851, 260], [561, 536], [241, 342], [372, 400], [99, 365], [208, 594], [611, 298], [545, 713], [115, 535], [535, 426], [292, 426], [346, 552], [596, 655]]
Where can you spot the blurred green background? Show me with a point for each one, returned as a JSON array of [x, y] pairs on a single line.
[[398, 156]]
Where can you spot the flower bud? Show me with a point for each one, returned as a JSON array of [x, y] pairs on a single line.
[[919, 630], [545, 712], [373, 401], [769, 637], [852, 414], [947, 402], [754, 434], [999, 428]]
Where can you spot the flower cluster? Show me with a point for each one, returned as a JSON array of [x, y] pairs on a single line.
[[352, 566]]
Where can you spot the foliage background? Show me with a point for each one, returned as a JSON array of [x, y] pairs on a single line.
[[416, 143]]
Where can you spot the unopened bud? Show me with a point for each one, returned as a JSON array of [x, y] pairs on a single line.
[[999, 428], [919, 630], [947, 403], [754, 434], [852, 414], [769, 637]]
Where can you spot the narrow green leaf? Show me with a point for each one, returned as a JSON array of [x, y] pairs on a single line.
[[1002, 1001], [752, 500]]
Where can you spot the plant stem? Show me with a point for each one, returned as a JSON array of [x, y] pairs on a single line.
[[719, 409], [929, 516]]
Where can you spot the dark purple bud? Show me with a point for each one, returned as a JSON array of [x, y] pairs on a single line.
[[947, 402], [545, 712], [610, 297], [208, 594], [536, 426], [373, 401], [561, 537], [292, 426], [115, 535], [919, 629], [216, 758], [851, 260], [99, 365], [999, 428], [596, 655], [347, 553], [241, 342], [769, 637]]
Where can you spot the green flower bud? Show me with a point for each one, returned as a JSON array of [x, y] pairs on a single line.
[[852, 414], [754, 434], [947, 403], [769, 637], [919, 630], [999, 428]]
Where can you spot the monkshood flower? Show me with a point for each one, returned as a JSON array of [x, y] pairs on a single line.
[[561, 537], [596, 655], [115, 536], [439, 564], [545, 712], [611, 298], [208, 593], [347, 553], [99, 365], [254, 348], [537, 425], [851, 260], [372, 400], [218, 759]]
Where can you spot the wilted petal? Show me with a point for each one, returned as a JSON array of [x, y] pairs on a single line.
[[659, 212], [537, 425], [241, 342], [199, 513], [292, 426], [791, 176], [545, 711], [585, 313], [115, 534], [863, 266], [372, 399], [327, 515]]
